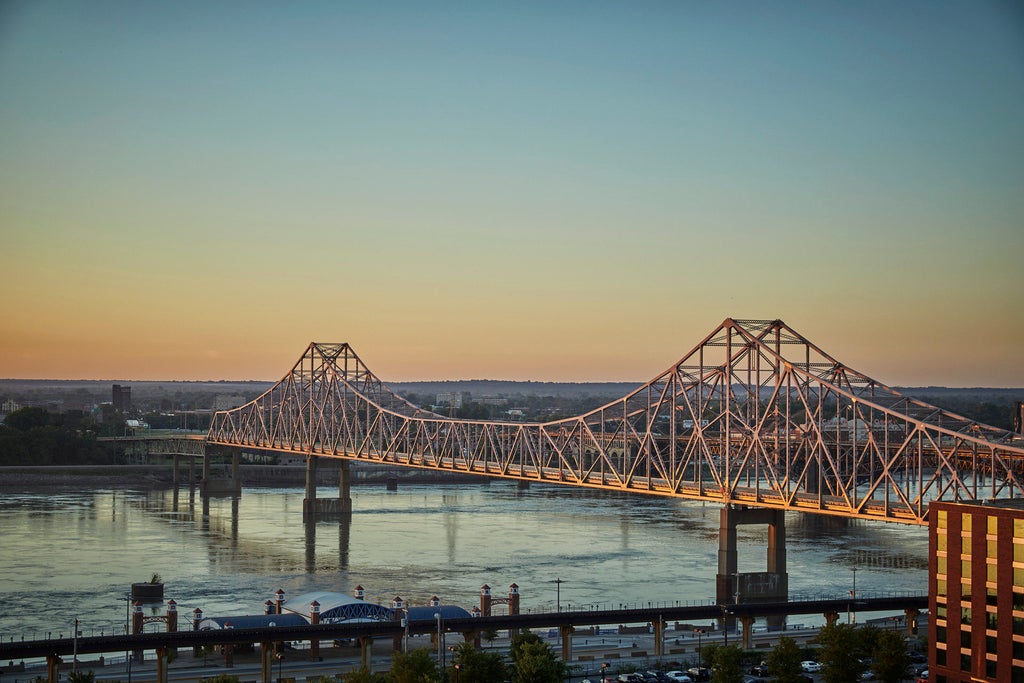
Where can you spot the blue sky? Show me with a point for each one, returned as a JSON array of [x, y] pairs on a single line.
[[550, 191]]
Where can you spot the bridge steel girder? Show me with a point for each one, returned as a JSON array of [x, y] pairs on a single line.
[[754, 415]]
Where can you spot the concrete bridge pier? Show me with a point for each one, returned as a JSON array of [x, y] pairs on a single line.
[[911, 620], [266, 662], [52, 668], [231, 485], [313, 508], [345, 488], [366, 651], [659, 637], [831, 618], [566, 632], [733, 587], [747, 624], [161, 664]]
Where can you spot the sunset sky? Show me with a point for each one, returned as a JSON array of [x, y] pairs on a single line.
[[561, 191]]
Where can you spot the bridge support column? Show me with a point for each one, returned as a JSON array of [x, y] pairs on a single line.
[[751, 587], [174, 471], [831, 618], [236, 469], [911, 619], [366, 651], [266, 661], [472, 637], [309, 502], [747, 623], [345, 488], [161, 665], [566, 632], [659, 637], [52, 668]]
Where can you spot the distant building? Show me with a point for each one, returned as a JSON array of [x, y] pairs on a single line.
[[121, 398], [453, 399], [228, 401], [8, 407], [976, 591]]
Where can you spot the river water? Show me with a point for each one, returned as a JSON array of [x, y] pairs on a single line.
[[68, 554]]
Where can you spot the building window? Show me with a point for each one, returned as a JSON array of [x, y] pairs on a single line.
[[965, 615], [1018, 528], [965, 640], [1018, 626], [940, 587], [965, 568], [940, 636], [991, 645], [941, 522], [940, 656], [966, 521], [1018, 649], [940, 611], [993, 525], [993, 572], [940, 564], [965, 662], [1018, 552], [990, 668], [992, 620], [940, 540]]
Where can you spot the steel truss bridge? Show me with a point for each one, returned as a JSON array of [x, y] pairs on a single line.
[[755, 415]]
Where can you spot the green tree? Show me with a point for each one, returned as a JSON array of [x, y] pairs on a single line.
[[417, 666], [537, 663], [784, 662], [82, 677], [221, 678], [519, 640], [727, 664], [890, 659], [840, 654], [477, 666], [364, 675], [25, 419]]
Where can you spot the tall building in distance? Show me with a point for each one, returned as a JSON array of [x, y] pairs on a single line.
[[122, 398], [976, 591]]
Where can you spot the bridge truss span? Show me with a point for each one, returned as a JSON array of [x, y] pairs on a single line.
[[754, 415]]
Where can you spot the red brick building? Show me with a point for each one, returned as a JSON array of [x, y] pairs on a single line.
[[976, 591]]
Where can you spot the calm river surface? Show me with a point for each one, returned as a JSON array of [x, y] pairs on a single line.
[[73, 553]]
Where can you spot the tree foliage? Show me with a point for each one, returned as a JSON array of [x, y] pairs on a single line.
[[784, 661], [537, 663], [417, 666], [890, 659], [727, 663], [840, 653], [477, 666]]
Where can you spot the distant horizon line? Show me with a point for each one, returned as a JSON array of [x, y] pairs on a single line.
[[445, 381]]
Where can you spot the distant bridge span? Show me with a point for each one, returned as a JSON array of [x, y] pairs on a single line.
[[754, 415]]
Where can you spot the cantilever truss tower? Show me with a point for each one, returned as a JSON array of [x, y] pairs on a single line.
[[754, 415]]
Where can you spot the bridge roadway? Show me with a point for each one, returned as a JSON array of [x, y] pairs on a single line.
[[565, 621]]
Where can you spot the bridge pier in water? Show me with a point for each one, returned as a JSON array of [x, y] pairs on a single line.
[[733, 587], [314, 508]]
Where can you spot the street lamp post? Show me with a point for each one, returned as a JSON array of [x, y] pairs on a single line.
[[127, 629], [700, 632], [852, 614], [440, 641]]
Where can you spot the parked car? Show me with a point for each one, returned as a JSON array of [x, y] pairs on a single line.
[[759, 670], [678, 677], [810, 666], [699, 673], [922, 677]]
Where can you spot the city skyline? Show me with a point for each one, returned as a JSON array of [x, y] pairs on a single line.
[[551, 192]]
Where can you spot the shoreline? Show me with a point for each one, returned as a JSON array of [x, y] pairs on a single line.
[[253, 476]]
